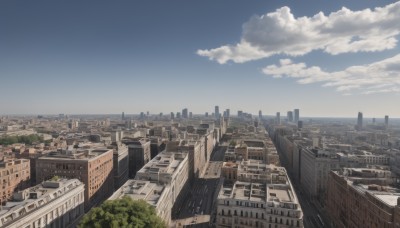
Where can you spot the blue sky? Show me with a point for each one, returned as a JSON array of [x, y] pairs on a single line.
[[161, 56]]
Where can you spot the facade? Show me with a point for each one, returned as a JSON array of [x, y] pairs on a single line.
[[54, 203], [14, 174], [246, 204], [157, 195], [120, 164], [139, 153], [363, 198], [94, 167]]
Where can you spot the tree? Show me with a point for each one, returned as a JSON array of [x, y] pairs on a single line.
[[123, 212]]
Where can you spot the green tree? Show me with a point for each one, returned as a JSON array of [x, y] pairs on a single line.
[[123, 212]]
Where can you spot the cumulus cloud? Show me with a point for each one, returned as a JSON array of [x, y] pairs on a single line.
[[377, 77], [343, 31]]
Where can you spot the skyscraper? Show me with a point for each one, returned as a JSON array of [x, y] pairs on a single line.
[[172, 115], [123, 115], [185, 113], [216, 112], [360, 121], [278, 118], [260, 114], [290, 116], [386, 121], [228, 112], [296, 115]]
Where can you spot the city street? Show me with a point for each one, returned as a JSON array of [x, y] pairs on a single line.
[[200, 199]]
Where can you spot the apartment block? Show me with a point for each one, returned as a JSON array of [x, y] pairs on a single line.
[[157, 195], [246, 204], [361, 197], [94, 167], [53, 203], [14, 175]]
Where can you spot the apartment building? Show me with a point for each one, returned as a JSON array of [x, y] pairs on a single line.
[[53, 203], [14, 175]]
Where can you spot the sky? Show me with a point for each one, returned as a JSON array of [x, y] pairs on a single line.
[[327, 58]]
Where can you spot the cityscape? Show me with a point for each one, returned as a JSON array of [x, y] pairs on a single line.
[[222, 114]]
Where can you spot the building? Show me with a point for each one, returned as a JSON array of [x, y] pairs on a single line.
[[14, 175], [167, 168], [290, 116], [296, 115], [363, 198], [139, 153], [123, 116], [157, 195], [185, 113], [120, 164], [246, 204], [94, 167], [216, 112], [360, 121], [53, 203], [386, 121], [278, 118], [260, 114]]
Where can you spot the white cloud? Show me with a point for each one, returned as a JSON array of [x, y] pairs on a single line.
[[377, 77], [343, 31]]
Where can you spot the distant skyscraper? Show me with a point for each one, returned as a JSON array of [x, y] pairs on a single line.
[[260, 114], [290, 116], [240, 113], [278, 118], [148, 113], [185, 113], [178, 115], [359, 121], [296, 115], [123, 115], [190, 115], [172, 115], [386, 121], [206, 114], [228, 112], [142, 115], [300, 124], [161, 114], [216, 112]]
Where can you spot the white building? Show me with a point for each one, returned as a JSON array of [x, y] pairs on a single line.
[[50, 204]]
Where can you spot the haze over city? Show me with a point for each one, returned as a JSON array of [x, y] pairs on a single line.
[[328, 58]]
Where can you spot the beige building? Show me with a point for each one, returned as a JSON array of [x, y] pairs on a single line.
[[246, 204], [14, 174], [157, 195], [94, 167], [54, 203], [167, 168], [363, 198]]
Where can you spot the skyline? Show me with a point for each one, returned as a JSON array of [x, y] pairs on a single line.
[[103, 57]]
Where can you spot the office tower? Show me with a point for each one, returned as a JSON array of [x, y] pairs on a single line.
[[172, 115], [290, 116], [296, 115], [240, 113], [120, 163], [53, 203], [94, 167], [185, 113], [228, 113], [15, 173], [178, 115], [260, 114], [360, 121], [386, 121], [123, 115], [190, 115], [216, 112], [142, 115], [225, 115], [278, 118], [206, 114]]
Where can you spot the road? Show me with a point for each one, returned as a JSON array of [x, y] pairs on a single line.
[[200, 200]]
